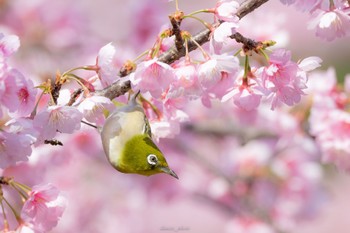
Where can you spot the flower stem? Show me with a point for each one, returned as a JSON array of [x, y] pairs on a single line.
[[207, 25], [205, 55], [176, 5], [264, 54], [77, 79], [90, 67], [21, 186], [141, 55], [33, 113], [20, 191], [246, 71], [154, 108], [87, 123], [6, 224], [200, 11], [15, 213]]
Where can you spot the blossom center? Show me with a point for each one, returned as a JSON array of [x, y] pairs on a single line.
[[23, 95]]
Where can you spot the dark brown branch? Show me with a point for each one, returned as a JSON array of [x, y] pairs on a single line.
[[5, 180], [74, 96], [248, 44], [116, 89], [120, 88], [175, 21]]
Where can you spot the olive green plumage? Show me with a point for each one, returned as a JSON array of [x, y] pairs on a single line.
[[127, 142]]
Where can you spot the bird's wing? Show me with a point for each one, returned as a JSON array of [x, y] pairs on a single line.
[[110, 129], [147, 128]]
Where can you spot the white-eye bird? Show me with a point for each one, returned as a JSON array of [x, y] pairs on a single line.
[[127, 142]]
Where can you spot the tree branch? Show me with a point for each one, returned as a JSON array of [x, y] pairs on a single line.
[[121, 87]]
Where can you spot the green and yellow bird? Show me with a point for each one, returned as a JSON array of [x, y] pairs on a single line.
[[127, 142]]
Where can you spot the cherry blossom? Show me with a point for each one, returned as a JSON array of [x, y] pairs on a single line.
[[43, 208], [16, 142], [106, 63], [11, 95], [226, 10], [150, 72], [246, 97], [9, 44], [93, 107], [221, 41], [63, 119], [281, 79], [330, 24], [187, 80], [210, 72]]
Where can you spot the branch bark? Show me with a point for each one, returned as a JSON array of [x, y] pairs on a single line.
[[121, 87]]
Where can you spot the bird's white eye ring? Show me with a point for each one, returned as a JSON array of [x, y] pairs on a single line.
[[152, 159]]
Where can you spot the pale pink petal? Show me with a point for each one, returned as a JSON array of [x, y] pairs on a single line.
[[106, 62], [210, 72], [330, 24], [93, 108], [226, 10], [43, 208], [310, 63], [247, 99], [220, 39], [153, 76], [63, 119], [8, 44]]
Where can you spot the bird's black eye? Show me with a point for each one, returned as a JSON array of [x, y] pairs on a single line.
[[152, 159]]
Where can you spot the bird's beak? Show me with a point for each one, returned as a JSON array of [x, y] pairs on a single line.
[[168, 171]]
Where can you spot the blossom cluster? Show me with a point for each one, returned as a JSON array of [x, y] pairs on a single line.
[[330, 118], [330, 19]]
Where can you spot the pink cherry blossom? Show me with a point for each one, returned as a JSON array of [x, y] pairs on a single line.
[[93, 107], [11, 86], [187, 80], [246, 97], [221, 89], [43, 208], [109, 62], [153, 76], [63, 119], [11, 151], [220, 41], [17, 93], [330, 24], [281, 79], [310, 63], [226, 10], [105, 59], [9, 44], [332, 130], [16, 141], [210, 72], [27, 96]]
